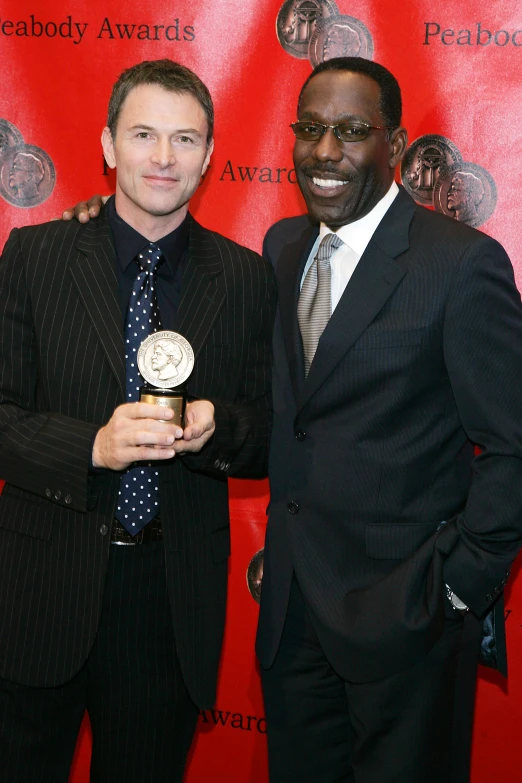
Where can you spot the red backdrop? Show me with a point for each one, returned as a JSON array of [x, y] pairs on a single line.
[[458, 66]]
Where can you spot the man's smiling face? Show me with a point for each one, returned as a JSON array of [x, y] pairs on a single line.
[[160, 152], [342, 181]]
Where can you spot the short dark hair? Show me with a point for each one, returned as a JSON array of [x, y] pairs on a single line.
[[390, 102], [168, 74]]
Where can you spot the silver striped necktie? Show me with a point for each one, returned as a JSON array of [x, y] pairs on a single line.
[[315, 300]]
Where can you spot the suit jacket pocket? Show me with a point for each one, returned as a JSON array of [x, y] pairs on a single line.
[[221, 543], [375, 338], [25, 515], [396, 541]]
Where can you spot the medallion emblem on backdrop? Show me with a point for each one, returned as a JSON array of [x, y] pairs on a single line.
[[315, 29], [296, 23], [27, 174], [254, 575], [434, 174], [422, 164], [467, 193], [340, 36], [10, 136]]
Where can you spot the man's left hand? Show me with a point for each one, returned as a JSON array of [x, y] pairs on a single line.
[[199, 427]]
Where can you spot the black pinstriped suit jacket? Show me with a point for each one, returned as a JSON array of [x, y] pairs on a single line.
[[62, 373], [421, 359]]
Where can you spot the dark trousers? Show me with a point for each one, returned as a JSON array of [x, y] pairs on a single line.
[[413, 727], [141, 716]]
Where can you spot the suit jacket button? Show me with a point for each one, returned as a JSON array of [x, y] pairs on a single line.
[[104, 529], [300, 435], [293, 507], [48, 493], [217, 464], [489, 597], [58, 495], [68, 499]]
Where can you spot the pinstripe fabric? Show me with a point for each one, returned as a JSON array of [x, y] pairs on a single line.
[[38, 730], [412, 727], [142, 717], [62, 373], [420, 359]]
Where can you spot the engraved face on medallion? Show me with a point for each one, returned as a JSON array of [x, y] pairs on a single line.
[[423, 162], [165, 359], [340, 36], [27, 175], [10, 136], [296, 22], [254, 575], [467, 193]]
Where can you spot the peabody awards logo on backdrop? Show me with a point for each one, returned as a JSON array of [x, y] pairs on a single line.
[[316, 30], [27, 174], [74, 31], [434, 174]]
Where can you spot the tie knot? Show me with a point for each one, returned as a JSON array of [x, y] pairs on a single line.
[[149, 258], [328, 246]]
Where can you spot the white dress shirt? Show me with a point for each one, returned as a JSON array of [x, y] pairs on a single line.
[[356, 237]]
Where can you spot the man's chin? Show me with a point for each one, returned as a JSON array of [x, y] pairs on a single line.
[[161, 210], [329, 211], [332, 215]]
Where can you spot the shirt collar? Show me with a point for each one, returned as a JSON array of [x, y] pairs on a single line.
[[357, 235], [129, 242]]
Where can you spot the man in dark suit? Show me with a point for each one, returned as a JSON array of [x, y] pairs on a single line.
[[104, 606], [397, 350]]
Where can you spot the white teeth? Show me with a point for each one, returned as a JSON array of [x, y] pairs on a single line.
[[328, 183]]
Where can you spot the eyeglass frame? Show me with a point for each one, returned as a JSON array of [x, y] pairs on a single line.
[[336, 132]]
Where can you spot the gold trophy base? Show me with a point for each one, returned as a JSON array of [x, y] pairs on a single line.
[[175, 399]]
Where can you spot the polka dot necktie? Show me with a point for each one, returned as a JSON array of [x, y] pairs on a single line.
[[315, 301], [138, 498]]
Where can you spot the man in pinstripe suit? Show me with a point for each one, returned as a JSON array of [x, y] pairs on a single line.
[[384, 527], [92, 616]]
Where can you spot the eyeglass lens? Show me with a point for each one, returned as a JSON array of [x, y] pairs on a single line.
[[345, 131]]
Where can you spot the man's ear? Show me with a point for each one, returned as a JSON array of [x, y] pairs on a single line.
[[210, 150], [398, 146], [108, 148]]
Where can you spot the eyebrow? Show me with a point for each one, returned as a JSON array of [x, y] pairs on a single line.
[[344, 118], [140, 126]]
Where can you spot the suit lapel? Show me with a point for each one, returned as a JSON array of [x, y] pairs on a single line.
[[289, 272], [94, 274], [203, 289], [375, 278]]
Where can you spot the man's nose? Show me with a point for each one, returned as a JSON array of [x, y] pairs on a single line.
[[163, 153], [328, 147]]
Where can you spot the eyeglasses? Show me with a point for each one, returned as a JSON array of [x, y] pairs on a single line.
[[344, 131]]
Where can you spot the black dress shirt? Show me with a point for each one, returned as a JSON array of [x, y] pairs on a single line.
[[128, 243]]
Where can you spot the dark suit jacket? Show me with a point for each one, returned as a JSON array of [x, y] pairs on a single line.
[[62, 374], [421, 359]]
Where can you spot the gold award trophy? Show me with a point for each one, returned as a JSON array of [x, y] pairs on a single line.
[[165, 361]]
